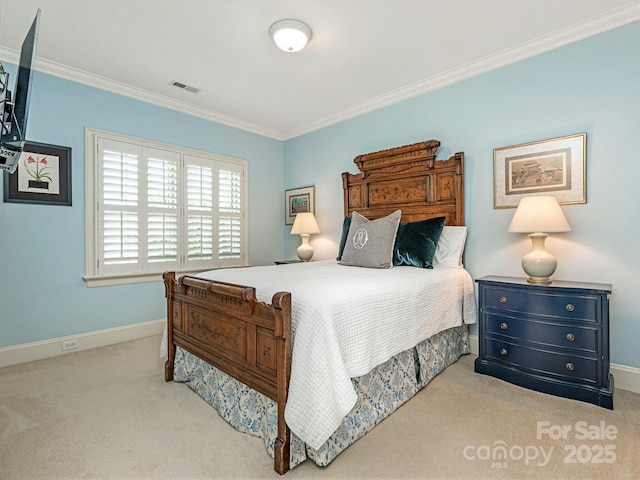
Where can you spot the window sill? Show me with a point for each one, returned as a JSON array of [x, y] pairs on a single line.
[[106, 281]]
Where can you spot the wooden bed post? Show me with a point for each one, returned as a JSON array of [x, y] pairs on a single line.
[[459, 163], [282, 447], [169, 284]]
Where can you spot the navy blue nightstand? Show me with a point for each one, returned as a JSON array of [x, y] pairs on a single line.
[[550, 338]]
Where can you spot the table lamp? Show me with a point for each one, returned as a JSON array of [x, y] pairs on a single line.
[[535, 215], [305, 225]]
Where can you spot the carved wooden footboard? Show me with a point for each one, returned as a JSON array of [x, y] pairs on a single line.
[[226, 326]]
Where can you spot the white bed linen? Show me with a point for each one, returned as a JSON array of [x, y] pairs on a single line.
[[348, 320]]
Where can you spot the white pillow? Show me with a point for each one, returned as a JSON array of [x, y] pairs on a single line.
[[450, 247]]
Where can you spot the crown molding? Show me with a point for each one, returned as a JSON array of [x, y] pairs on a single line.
[[102, 83], [594, 26]]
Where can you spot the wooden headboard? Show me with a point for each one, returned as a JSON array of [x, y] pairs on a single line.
[[408, 178]]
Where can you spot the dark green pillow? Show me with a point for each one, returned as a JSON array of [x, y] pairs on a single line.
[[346, 223], [416, 242]]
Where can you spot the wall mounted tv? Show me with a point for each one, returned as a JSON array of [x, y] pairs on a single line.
[[16, 110]]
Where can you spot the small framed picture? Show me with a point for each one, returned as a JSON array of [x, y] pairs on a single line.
[[298, 200], [556, 166], [43, 176]]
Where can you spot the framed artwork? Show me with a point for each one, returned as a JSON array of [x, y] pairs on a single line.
[[43, 176], [298, 200], [556, 166]]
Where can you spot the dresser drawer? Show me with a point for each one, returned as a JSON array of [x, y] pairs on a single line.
[[563, 335], [582, 307], [543, 362]]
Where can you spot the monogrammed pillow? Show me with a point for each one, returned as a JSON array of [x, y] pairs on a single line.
[[370, 242]]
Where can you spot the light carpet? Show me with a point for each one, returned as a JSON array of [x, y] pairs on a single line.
[[107, 413]]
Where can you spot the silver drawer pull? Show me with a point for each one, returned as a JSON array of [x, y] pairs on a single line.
[[503, 299], [570, 367], [571, 337], [504, 325], [503, 352], [570, 307]]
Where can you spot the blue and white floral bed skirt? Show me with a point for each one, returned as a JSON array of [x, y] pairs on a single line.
[[380, 393]]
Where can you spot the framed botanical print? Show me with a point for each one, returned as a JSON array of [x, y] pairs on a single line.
[[43, 176]]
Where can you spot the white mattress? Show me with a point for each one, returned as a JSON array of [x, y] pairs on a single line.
[[348, 320]]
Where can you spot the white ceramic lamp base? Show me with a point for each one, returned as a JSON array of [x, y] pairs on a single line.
[[305, 251], [538, 263]]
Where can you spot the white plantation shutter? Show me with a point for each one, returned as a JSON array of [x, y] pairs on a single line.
[[214, 212], [160, 209], [200, 187], [119, 247], [230, 189]]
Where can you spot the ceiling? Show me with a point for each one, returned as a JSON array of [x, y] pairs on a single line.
[[364, 54]]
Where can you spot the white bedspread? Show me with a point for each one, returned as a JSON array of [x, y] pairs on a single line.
[[347, 320]]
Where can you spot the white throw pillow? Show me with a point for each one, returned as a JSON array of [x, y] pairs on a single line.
[[451, 246]]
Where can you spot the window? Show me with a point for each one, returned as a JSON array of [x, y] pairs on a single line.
[[151, 208]]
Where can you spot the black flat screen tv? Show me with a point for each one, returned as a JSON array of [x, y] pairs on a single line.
[[16, 111]]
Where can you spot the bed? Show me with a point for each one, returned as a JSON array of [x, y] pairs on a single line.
[[311, 356]]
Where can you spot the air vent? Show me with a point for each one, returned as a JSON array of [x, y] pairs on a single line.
[[186, 87]]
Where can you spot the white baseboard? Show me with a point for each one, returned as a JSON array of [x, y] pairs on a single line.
[[625, 378], [473, 344], [29, 352]]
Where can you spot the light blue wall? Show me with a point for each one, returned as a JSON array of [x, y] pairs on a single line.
[[592, 86], [42, 294]]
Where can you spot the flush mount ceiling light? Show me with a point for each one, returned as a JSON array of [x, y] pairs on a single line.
[[290, 35]]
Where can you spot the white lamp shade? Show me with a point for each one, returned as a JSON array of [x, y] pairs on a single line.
[[540, 213], [305, 223], [290, 35]]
